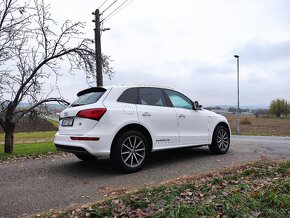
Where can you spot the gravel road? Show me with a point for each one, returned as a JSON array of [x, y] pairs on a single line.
[[33, 186]]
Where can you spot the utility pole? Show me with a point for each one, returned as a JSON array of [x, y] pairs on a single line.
[[98, 49]]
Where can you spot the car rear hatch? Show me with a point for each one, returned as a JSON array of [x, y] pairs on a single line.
[[83, 114]]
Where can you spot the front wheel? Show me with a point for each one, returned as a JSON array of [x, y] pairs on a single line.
[[130, 151], [220, 141]]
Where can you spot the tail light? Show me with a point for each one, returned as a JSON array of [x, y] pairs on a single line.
[[94, 114]]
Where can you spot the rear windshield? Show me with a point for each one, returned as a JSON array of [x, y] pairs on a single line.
[[88, 98]]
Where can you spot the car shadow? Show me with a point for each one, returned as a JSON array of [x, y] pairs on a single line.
[[173, 156], [77, 167], [103, 167]]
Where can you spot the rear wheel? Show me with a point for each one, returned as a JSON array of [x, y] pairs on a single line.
[[220, 141], [130, 151], [86, 157]]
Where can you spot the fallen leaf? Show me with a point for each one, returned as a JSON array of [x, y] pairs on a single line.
[[116, 201], [225, 194], [189, 193], [140, 213], [200, 194], [255, 213], [235, 189]]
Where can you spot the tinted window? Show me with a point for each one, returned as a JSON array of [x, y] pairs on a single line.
[[87, 98], [178, 100], [151, 96], [129, 96]]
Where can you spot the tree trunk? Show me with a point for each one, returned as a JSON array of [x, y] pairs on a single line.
[[9, 137], [9, 126]]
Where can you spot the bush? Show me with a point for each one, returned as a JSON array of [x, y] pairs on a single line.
[[279, 107]]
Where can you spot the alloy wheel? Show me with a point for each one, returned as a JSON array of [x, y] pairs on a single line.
[[133, 151], [223, 140]]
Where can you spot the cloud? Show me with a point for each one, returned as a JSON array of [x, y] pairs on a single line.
[[259, 52], [189, 45]]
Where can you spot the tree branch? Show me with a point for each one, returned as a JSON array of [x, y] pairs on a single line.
[[20, 113]]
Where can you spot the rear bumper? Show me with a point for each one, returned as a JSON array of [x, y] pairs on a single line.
[[71, 149], [100, 148]]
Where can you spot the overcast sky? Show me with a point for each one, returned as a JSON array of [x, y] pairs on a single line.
[[189, 45]]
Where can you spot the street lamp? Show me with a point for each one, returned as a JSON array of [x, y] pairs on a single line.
[[238, 89]]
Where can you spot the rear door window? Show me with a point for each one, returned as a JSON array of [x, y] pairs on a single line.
[[151, 96], [129, 96]]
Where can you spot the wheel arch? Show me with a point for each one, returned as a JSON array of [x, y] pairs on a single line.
[[134, 126], [224, 124]]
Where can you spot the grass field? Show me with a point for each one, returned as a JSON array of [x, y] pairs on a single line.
[[30, 137], [30, 149], [29, 144], [53, 122]]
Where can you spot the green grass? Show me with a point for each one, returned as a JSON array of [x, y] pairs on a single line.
[[27, 144], [260, 189], [30, 149], [53, 122], [22, 136]]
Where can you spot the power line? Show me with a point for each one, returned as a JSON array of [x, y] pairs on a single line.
[[115, 12], [109, 6], [115, 9], [102, 4]]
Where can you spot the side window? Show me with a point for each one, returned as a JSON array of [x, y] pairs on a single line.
[[151, 96], [129, 96], [178, 100]]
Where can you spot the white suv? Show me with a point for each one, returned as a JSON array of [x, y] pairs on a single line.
[[128, 122]]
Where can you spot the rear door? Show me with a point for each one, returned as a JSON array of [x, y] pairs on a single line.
[[192, 124], [157, 117]]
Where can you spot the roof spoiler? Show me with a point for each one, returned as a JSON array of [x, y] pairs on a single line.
[[89, 90]]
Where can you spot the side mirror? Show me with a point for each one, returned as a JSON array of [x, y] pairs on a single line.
[[196, 105]]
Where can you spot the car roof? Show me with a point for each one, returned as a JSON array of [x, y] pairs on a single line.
[[121, 86], [125, 85]]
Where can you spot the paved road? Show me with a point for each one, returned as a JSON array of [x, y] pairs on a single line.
[[33, 186]]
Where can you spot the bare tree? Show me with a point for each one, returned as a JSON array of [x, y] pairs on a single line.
[[36, 49], [13, 19]]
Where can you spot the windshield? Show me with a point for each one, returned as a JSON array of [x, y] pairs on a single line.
[[88, 98]]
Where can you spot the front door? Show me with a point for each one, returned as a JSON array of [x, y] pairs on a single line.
[[192, 124]]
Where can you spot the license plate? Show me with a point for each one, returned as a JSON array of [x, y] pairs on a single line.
[[67, 122]]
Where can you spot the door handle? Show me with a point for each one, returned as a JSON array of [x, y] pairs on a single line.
[[181, 116], [146, 114]]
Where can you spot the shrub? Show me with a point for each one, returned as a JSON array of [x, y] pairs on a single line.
[[279, 107]]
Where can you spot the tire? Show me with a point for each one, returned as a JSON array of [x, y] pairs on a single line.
[[220, 141], [86, 157], [130, 151]]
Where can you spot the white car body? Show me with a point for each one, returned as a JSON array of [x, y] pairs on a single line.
[[166, 127]]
